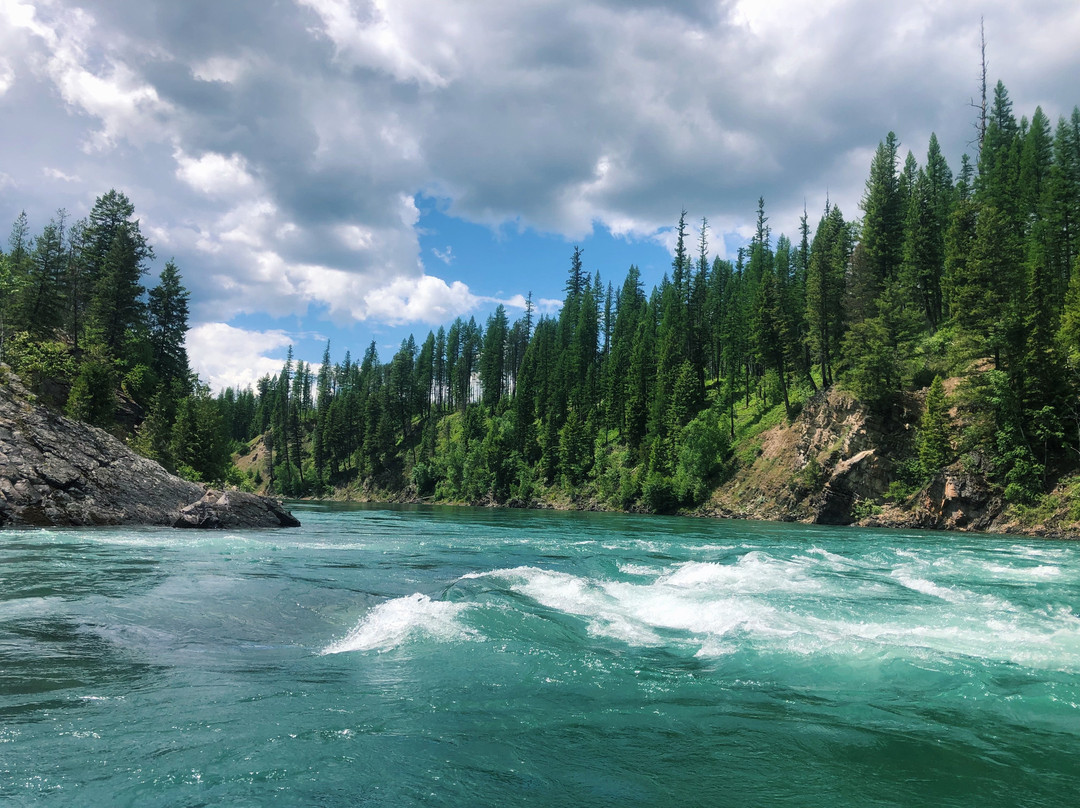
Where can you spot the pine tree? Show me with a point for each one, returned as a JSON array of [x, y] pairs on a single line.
[[168, 310], [881, 237], [117, 308], [935, 447], [492, 360], [926, 223], [830, 254], [41, 307], [321, 436], [14, 275]]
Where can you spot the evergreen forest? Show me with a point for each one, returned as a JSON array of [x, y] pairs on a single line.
[[628, 398]]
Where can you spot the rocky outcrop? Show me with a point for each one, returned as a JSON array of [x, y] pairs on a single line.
[[862, 478], [234, 509], [816, 468], [834, 464], [55, 471], [957, 498]]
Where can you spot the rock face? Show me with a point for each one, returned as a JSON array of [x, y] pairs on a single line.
[[836, 456], [233, 509], [817, 468], [862, 477], [55, 471], [957, 498]]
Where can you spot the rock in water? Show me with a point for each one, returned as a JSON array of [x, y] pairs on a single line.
[[55, 471], [233, 509]]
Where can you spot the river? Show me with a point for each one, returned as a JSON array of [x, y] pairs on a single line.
[[467, 657]]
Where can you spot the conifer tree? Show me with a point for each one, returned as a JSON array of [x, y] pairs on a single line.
[[881, 242], [829, 257], [321, 440], [493, 359], [116, 308], [41, 308], [935, 447], [168, 311]]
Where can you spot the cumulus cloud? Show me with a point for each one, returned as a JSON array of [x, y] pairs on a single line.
[[425, 299], [99, 84], [214, 174], [277, 148], [226, 356], [57, 174], [7, 75]]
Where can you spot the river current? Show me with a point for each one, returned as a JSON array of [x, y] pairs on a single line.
[[469, 657]]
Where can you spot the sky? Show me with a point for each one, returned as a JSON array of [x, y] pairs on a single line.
[[358, 170]]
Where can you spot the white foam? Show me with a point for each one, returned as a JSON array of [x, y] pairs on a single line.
[[753, 573], [804, 606], [1040, 573], [926, 587], [395, 622], [36, 607], [691, 601], [637, 569]]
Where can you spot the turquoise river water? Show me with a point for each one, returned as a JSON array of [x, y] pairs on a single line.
[[468, 657]]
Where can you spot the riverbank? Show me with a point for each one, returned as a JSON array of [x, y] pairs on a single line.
[[835, 463]]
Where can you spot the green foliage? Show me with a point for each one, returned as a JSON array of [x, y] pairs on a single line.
[[140, 383], [899, 491], [703, 447], [864, 508], [38, 361], [1000, 426], [199, 443], [878, 349], [658, 493], [93, 396], [168, 326], [424, 478], [935, 444], [632, 398], [576, 450], [153, 438]]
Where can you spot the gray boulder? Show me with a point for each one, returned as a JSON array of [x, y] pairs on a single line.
[[56, 471], [234, 509]]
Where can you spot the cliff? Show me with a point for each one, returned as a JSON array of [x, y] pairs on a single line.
[[818, 467], [55, 471], [835, 464]]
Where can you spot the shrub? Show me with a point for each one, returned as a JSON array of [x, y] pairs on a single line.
[[658, 493]]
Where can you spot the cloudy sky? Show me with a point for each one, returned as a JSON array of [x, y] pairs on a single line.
[[362, 169]]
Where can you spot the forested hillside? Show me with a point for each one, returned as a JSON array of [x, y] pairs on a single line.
[[648, 399], [85, 334], [633, 398]]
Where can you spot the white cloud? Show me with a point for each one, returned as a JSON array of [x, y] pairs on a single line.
[[221, 69], [214, 174], [57, 174], [103, 87], [355, 237], [426, 299], [279, 159], [7, 75], [226, 356], [381, 41]]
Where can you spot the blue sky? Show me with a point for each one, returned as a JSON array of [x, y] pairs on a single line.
[[499, 265], [362, 169]]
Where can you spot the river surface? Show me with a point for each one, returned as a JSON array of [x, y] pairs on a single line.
[[468, 657]]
